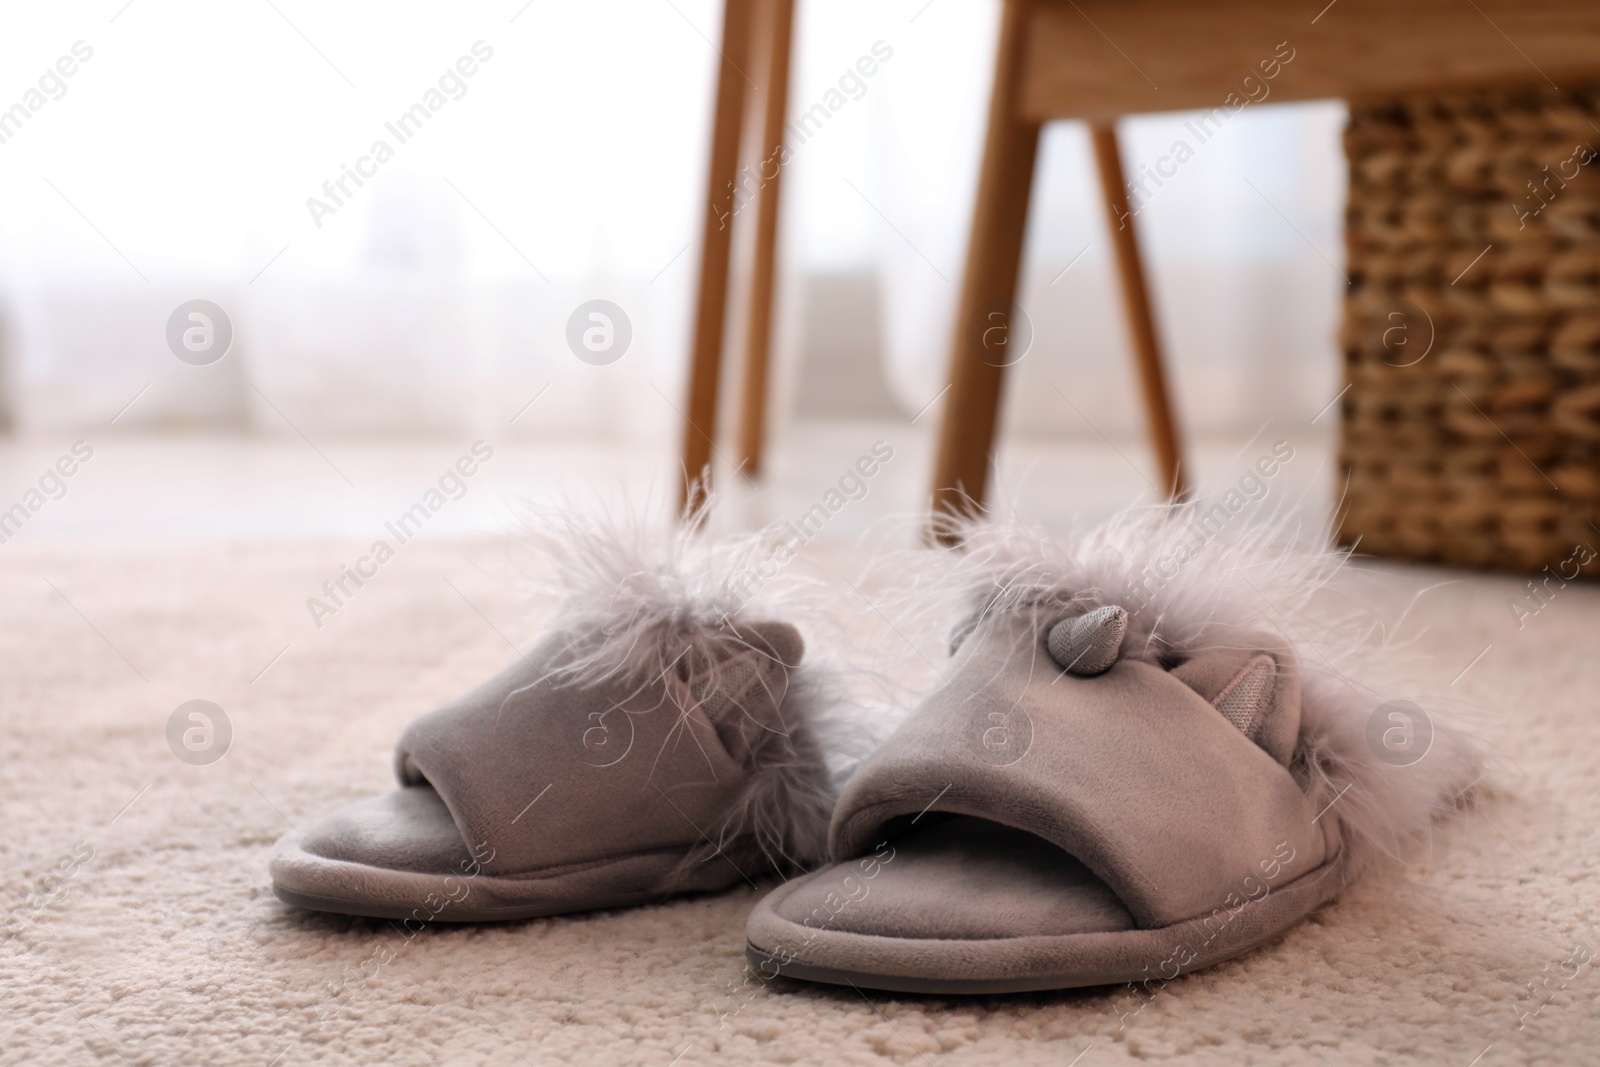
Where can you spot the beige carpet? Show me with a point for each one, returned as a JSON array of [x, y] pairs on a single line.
[[157, 940]]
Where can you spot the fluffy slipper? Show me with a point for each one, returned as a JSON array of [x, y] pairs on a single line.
[[657, 740], [1128, 772]]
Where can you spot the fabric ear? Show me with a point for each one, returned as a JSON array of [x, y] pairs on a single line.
[[739, 687], [1247, 699], [961, 632], [1257, 691], [779, 640]]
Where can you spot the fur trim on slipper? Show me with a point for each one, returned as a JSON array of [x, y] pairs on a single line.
[[710, 620]]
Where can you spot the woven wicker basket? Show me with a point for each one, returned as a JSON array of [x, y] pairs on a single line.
[[1472, 330]]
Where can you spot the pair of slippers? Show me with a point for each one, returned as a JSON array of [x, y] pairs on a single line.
[[1127, 769]]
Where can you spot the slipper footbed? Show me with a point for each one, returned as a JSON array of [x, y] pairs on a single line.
[[409, 829], [962, 878]]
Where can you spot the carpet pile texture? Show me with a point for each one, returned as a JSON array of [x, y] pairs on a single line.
[[137, 923]]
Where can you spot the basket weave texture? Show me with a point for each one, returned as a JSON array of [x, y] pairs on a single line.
[[1471, 335]]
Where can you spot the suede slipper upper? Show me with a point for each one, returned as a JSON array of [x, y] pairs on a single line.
[[654, 743]]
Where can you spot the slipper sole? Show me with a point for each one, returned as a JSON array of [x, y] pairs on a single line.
[[313, 902], [779, 947], [306, 879]]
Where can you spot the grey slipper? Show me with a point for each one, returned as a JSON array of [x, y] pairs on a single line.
[[655, 743], [1095, 795]]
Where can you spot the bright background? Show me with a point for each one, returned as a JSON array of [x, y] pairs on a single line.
[[434, 304]]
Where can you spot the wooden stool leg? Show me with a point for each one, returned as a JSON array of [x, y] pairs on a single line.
[[705, 359], [779, 27], [988, 287], [1136, 302]]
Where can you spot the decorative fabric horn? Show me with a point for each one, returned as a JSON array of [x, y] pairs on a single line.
[[1088, 644]]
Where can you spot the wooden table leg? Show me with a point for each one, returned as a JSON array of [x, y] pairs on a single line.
[[1136, 302], [779, 33], [988, 286], [705, 358]]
